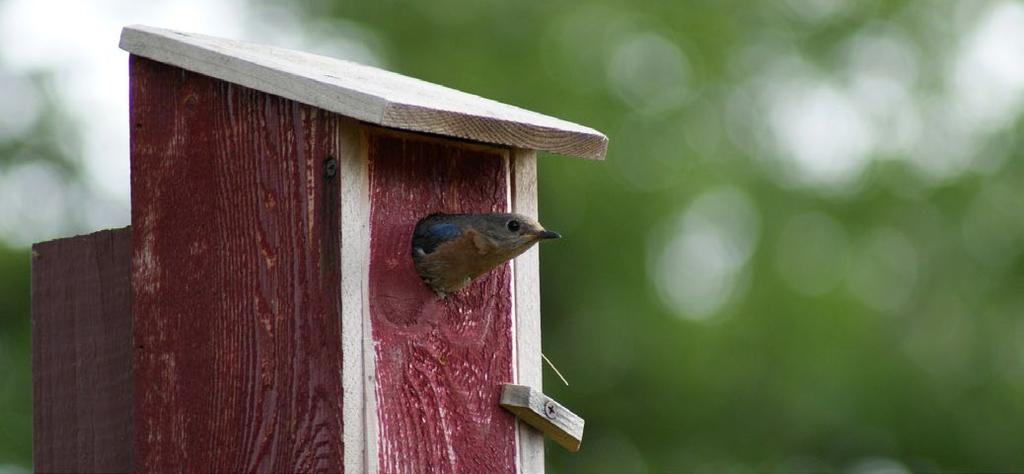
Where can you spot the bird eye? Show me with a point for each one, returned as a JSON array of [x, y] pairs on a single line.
[[513, 226]]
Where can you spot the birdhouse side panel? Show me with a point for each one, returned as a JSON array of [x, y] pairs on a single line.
[[235, 278], [439, 363], [82, 353]]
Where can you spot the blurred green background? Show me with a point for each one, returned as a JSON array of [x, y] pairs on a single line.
[[803, 253]]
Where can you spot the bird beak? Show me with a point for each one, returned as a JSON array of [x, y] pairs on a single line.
[[547, 234]]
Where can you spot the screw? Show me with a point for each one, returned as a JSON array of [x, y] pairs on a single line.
[[550, 410], [330, 167]]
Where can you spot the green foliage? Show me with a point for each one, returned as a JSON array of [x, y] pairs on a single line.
[[15, 359]]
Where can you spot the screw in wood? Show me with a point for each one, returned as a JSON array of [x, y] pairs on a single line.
[[330, 167], [549, 410]]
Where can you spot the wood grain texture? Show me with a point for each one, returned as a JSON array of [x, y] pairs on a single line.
[[365, 93], [82, 353], [545, 414], [235, 278], [360, 407], [526, 271], [439, 363]]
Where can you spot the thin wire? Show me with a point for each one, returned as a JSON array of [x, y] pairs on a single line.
[[566, 382]]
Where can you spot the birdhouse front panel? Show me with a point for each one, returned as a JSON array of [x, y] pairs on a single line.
[[238, 267], [438, 360], [235, 277]]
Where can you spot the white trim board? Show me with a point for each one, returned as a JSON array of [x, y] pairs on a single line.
[[364, 93], [359, 403], [526, 277]]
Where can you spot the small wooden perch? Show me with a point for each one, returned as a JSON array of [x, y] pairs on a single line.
[[545, 414]]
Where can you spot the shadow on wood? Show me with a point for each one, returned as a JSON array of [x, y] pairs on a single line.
[[82, 353]]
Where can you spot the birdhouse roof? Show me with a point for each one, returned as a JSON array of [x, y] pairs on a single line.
[[365, 93]]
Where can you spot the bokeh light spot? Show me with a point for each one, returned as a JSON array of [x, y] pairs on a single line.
[[698, 271], [35, 203], [649, 72]]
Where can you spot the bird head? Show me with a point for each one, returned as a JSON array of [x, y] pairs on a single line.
[[449, 250], [511, 233]]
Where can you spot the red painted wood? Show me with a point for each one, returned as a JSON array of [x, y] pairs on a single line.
[[235, 278], [81, 353], [439, 363]]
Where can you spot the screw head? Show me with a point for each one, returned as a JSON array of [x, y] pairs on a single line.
[[330, 167], [550, 410]]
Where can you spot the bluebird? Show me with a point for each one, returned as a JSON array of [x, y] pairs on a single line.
[[450, 250]]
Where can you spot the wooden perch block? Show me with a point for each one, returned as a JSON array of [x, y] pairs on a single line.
[[545, 414]]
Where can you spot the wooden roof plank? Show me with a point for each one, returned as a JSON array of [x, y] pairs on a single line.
[[363, 92]]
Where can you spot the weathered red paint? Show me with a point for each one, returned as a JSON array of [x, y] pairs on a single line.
[[439, 363], [235, 278]]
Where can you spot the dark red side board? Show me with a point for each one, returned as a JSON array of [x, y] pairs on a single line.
[[81, 353], [439, 363], [235, 278]]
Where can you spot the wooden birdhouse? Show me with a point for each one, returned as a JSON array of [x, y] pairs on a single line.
[[262, 313]]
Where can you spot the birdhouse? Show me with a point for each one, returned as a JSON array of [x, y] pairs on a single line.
[[262, 312]]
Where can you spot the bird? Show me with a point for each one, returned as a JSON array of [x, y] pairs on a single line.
[[450, 250]]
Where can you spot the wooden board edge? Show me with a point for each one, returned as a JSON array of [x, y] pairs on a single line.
[[210, 56], [574, 141], [560, 424], [526, 298], [359, 403], [181, 50], [464, 143]]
